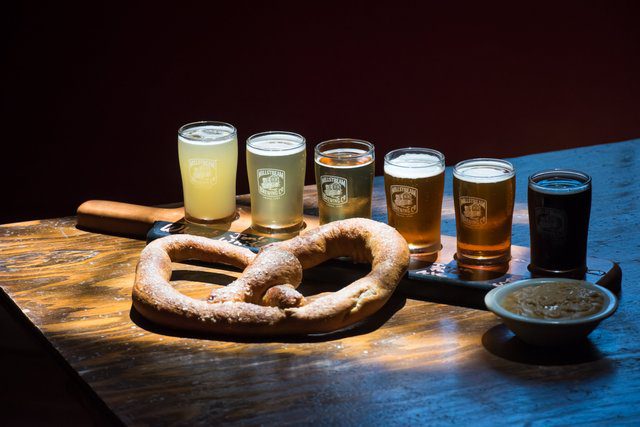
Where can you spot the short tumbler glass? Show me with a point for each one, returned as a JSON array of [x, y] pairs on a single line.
[[559, 209], [275, 167], [483, 196], [414, 185], [208, 153], [344, 177]]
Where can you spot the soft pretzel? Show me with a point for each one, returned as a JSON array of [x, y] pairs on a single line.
[[263, 301]]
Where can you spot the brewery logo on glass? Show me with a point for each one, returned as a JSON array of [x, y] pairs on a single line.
[[404, 200], [334, 190], [551, 223], [203, 171], [271, 183], [473, 211]]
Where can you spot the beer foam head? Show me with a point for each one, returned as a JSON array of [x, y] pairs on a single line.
[[206, 134], [414, 165], [483, 170], [276, 143]]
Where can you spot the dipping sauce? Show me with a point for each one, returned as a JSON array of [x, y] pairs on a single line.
[[554, 301]]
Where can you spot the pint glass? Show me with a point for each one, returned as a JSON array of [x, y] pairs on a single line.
[[559, 208], [275, 167], [483, 194], [208, 153], [414, 184], [344, 177]]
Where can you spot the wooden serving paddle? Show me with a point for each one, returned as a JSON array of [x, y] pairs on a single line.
[[137, 221], [438, 278], [124, 219]]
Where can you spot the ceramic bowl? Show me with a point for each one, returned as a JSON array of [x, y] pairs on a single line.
[[549, 332]]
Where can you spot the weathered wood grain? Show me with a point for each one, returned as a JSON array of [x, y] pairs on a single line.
[[415, 362]]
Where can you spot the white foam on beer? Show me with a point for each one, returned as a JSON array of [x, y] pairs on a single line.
[[206, 135], [414, 165], [276, 145], [486, 171], [343, 155]]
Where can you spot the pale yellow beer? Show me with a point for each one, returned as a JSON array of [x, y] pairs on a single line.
[[414, 184], [344, 179], [276, 167], [208, 153], [483, 195]]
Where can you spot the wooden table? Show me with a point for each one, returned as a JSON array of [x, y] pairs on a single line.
[[416, 362]]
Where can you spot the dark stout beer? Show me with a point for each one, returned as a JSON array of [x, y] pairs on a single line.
[[483, 194], [559, 209]]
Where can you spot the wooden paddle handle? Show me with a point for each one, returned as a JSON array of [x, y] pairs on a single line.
[[122, 218]]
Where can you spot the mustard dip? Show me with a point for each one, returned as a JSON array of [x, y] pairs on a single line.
[[554, 301]]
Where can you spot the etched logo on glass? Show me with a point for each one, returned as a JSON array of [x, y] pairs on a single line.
[[203, 171], [271, 183], [404, 200], [334, 190], [473, 211], [551, 223]]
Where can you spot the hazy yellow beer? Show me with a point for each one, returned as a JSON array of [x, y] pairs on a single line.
[[275, 166], [483, 195], [208, 153], [414, 184], [344, 178]]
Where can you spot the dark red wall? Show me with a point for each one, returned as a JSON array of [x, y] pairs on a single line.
[[93, 94]]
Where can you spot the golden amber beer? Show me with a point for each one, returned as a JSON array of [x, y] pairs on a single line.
[[344, 177], [275, 167], [208, 153], [483, 195], [414, 184]]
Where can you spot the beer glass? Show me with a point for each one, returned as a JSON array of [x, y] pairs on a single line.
[[208, 153], [483, 194], [414, 184], [275, 167], [344, 177], [559, 208]]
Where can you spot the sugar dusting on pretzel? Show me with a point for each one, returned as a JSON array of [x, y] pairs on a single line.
[[263, 301]]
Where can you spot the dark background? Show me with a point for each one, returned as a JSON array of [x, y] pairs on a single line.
[[93, 93]]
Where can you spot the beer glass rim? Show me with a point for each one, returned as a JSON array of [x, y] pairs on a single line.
[[301, 141], [583, 177], [484, 161], [369, 148], [202, 123], [440, 157]]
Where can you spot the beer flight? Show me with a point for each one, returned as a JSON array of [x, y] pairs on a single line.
[[483, 191]]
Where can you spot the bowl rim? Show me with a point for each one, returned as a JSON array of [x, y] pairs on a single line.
[[493, 301]]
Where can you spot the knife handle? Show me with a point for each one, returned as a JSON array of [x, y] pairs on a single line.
[[123, 218]]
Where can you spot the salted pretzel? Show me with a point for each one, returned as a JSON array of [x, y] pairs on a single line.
[[263, 301]]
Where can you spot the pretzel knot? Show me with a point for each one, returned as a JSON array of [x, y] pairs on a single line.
[[264, 301]]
